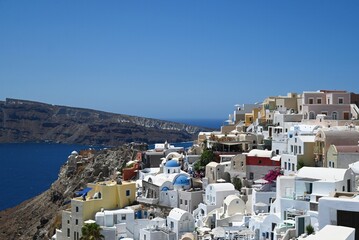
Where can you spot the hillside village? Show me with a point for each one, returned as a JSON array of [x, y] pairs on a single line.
[[282, 169]]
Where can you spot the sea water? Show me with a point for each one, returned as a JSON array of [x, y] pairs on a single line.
[[28, 169]]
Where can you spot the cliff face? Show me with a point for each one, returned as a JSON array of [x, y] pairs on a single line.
[[38, 217], [27, 121]]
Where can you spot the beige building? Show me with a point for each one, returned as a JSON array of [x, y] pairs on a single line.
[[342, 156], [326, 137], [292, 103]]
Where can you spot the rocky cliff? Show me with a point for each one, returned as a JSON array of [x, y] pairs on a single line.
[[28, 121], [38, 217]]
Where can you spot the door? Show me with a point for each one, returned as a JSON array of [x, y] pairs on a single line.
[[346, 116], [300, 226], [348, 185]]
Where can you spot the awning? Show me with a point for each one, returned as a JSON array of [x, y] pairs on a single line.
[[276, 158], [83, 192]]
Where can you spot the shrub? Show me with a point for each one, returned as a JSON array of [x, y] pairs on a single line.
[[309, 229]]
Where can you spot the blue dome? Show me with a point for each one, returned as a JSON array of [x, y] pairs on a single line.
[[172, 163], [182, 180], [165, 189]]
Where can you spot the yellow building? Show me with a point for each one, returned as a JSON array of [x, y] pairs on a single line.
[[251, 117], [291, 103], [97, 196]]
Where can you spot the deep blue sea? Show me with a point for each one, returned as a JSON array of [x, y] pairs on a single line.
[[28, 169]]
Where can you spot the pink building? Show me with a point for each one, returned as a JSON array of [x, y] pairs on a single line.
[[334, 104]]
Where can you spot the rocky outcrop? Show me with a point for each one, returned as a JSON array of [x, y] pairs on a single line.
[[28, 121], [38, 217]]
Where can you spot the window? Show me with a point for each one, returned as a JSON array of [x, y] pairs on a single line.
[[334, 115], [319, 101], [128, 193], [172, 225], [340, 100], [285, 165], [291, 148], [123, 217], [300, 150], [311, 115], [289, 166], [181, 201], [77, 222], [144, 237], [277, 151], [251, 176], [77, 209], [68, 232], [311, 100], [185, 202], [293, 169], [168, 171]]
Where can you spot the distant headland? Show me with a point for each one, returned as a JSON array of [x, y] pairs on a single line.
[[29, 121]]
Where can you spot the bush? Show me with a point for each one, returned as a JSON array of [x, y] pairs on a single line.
[[309, 229], [237, 183]]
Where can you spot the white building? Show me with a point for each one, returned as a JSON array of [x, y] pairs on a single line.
[[300, 148], [299, 195], [215, 194], [330, 232], [180, 222], [231, 213], [116, 224], [341, 209]]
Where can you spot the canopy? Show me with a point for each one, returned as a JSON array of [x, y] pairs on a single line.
[[83, 192]]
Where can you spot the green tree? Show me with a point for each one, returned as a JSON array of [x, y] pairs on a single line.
[[91, 231], [197, 166], [309, 229], [206, 157], [237, 183]]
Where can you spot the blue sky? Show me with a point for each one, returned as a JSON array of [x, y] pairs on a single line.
[[175, 59]]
